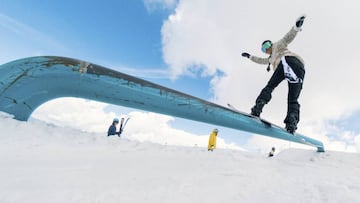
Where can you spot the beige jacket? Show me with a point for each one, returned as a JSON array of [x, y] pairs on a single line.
[[279, 49]]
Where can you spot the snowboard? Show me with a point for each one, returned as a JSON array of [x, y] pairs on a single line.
[[267, 123]]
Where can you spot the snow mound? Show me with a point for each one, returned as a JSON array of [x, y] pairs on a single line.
[[45, 163]]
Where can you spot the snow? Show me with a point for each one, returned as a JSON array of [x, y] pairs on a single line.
[[40, 162]]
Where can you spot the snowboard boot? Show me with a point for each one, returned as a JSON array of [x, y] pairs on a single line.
[[291, 128], [291, 123], [257, 109]]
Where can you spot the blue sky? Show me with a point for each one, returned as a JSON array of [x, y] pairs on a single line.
[[114, 34], [121, 32], [122, 35], [205, 39]]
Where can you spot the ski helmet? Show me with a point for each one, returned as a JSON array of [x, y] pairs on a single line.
[[116, 120], [216, 130], [265, 45]]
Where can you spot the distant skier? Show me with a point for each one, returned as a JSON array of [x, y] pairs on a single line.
[[272, 152], [212, 140], [287, 65], [112, 128]]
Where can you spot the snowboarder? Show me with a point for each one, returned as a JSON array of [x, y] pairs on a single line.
[[272, 152], [287, 65], [112, 128], [212, 140]]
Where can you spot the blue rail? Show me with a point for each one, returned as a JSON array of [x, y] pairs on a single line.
[[27, 83]]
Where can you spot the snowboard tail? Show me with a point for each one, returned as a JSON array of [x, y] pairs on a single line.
[[265, 122]]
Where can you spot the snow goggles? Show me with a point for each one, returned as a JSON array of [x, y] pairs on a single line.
[[265, 46]]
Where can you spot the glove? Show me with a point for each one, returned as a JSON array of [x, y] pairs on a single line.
[[299, 22], [244, 54]]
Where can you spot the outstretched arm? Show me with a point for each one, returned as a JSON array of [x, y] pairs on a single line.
[[290, 36], [260, 60], [256, 59]]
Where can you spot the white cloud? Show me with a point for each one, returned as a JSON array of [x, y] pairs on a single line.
[[82, 114], [334, 138], [145, 127], [346, 142], [146, 73], [153, 5], [357, 143], [214, 33], [156, 128]]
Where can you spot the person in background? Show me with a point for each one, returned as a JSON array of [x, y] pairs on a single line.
[[272, 152], [112, 128], [212, 140]]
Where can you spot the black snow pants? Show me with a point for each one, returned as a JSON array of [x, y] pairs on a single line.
[[295, 87]]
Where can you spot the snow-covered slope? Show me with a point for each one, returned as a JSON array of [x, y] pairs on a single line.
[[45, 163]]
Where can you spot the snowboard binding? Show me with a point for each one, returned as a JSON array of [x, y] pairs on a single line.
[[291, 123]]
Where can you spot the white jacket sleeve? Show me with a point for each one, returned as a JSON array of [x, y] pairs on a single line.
[[290, 36], [259, 60]]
